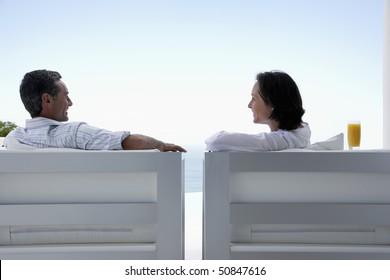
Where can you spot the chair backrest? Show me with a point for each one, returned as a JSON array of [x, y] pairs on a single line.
[[43, 187], [323, 187]]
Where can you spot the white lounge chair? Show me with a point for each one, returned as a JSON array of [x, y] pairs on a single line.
[[297, 205], [57, 204]]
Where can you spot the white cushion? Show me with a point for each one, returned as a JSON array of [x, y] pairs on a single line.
[[334, 143], [13, 144]]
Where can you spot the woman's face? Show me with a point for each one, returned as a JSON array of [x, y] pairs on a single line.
[[261, 111]]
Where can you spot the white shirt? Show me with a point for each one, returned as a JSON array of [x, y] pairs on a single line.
[[272, 141], [47, 133]]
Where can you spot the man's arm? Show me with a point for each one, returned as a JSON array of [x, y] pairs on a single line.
[[143, 142]]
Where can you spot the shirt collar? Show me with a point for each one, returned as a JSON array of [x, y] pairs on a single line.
[[40, 122]]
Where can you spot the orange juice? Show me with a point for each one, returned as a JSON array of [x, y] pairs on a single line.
[[354, 134]]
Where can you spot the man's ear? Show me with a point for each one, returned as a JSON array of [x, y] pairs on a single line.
[[46, 98]]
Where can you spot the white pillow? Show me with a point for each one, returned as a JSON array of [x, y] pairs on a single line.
[[334, 143], [11, 143]]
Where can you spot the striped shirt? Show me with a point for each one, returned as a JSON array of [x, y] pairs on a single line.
[[47, 133]]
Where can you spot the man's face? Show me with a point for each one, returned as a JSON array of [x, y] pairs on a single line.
[[59, 104]]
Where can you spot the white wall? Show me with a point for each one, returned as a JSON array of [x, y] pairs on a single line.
[[386, 76]]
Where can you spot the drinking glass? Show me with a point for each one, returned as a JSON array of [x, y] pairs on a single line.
[[354, 133]]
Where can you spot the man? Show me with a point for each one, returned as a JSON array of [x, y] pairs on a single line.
[[46, 97]]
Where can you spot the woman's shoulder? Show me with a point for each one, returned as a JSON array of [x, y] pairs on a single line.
[[297, 138]]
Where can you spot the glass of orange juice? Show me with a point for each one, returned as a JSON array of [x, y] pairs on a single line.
[[354, 132]]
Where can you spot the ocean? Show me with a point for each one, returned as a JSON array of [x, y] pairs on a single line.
[[194, 168]]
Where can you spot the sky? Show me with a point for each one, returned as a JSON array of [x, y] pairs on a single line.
[[182, 70]]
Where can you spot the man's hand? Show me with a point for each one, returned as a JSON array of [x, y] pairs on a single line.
[[166, 147], [143, 142]]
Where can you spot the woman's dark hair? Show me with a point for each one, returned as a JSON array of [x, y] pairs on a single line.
[[279, 91], [34, 85]]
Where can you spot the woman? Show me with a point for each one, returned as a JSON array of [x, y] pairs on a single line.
[[276, 102]]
